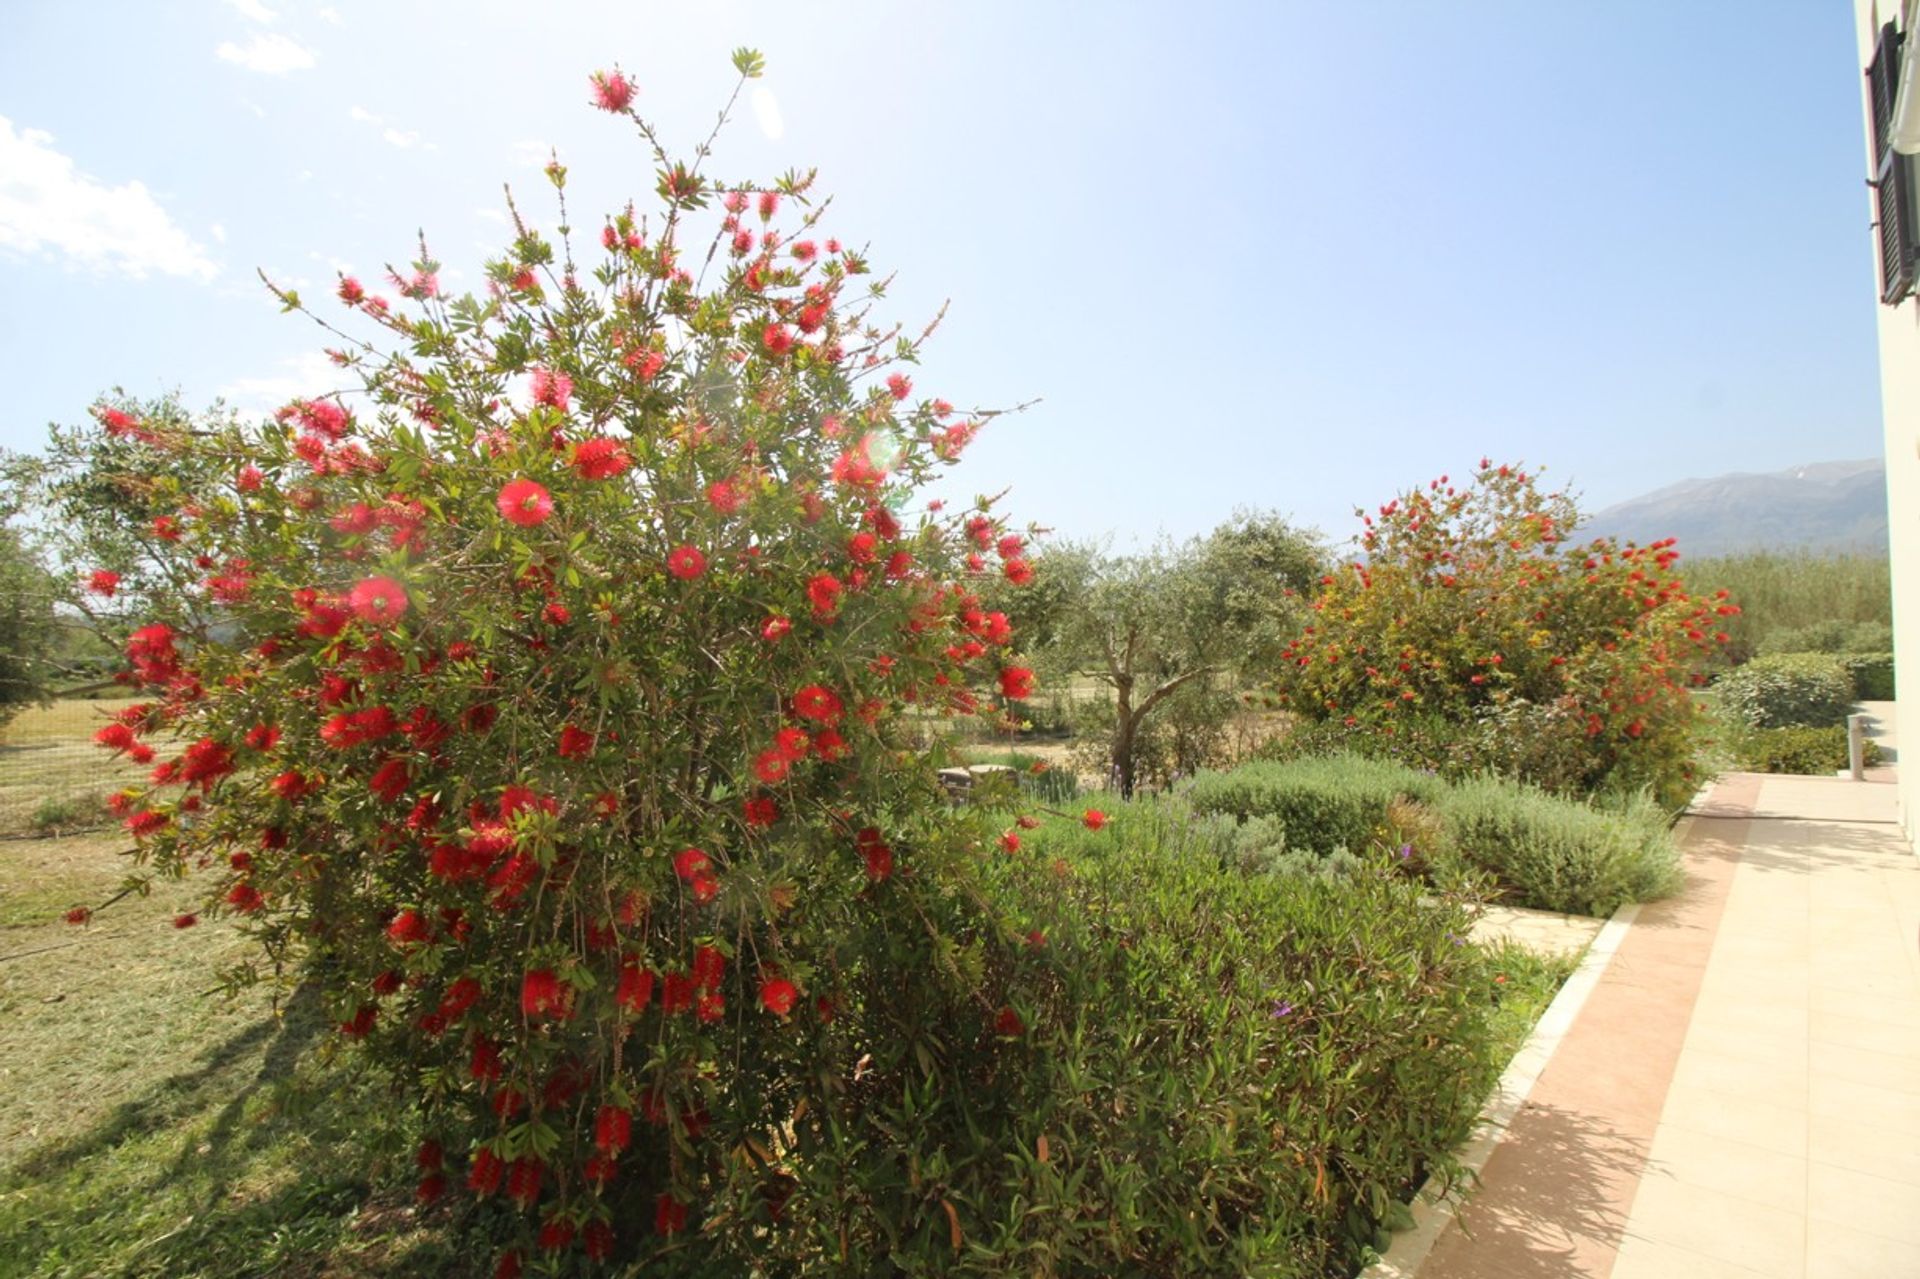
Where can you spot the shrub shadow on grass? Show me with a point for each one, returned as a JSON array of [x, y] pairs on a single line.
[[172, 1098]]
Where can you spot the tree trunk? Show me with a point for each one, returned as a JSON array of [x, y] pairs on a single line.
[[1124, 724]]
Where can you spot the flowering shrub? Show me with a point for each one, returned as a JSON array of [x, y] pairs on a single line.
[[1788, 689], [539, 705], [1473, 600]]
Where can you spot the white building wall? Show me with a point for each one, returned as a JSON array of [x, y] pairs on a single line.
[[1900, 413]]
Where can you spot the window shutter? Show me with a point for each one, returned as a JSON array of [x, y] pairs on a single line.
[[1893, 196]]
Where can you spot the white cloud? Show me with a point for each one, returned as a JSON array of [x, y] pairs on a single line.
[[268, 54], [219, 233], [532, 152], [491, 215], [766, 112], [253, 10], [405, 139], [303, 376], [49, 207], [328, 13]]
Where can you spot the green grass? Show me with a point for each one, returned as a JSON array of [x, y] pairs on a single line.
[[47, 756], [1780, 591], [1532, 979], [152, 1129]]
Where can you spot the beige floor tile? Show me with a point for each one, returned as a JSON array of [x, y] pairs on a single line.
[[1843, 1099], [1646, 1259], [1731, 1167], [1724, 1227], [1777, 1128], [1851, 1002], [1873, 1034], [1837, 1252], [1864, 1145], [1779, 1084], [1864, 1202], [1896, 1071], [1749, 1039]]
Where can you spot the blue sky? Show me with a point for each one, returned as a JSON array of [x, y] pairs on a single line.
[[1284, 255]]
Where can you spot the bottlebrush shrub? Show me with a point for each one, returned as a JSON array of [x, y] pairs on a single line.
[[1787, 690], [1872, 675], [540, 704], [1474, 596], [1244, 1071]]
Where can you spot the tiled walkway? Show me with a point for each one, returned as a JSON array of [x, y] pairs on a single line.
[[1739, 1095]]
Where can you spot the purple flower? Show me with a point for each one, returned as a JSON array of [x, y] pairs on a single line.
[[1281, 1008], [1406, 851]]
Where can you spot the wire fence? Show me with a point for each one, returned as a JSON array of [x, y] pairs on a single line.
[[53, 779]]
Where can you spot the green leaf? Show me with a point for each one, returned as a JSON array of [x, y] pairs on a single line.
[[749, 63]]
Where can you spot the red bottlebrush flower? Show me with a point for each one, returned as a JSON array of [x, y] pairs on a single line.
[[351, 291], [508, 1266], [409, 928], [523, 1180], [291, 786], [704, 888], [899, 564], [775, 628], [249, 478], [690, 863], [185, 921], [669, 1216], [1008, 1023], [613, 1129], [647, 364], [600, 459], [709, 967], [879, 859], [599, 1170], [485, 1173], [575, 743], [1027, 822], [544, 994], [725, 497], [1018, 571], [686, 562], [710, 1007], [860, 548], [792, 743], [635, 990], [760, 812], [166, 528], [151, 651], [263, 737], [768, 204], [431, 1187], [1010, 842], [378, 601], [245, 898], [1010, 546], [597, 1238], [771, 766], [829, 745], [146, 822], [390, 780], [612, 91], [777, 995], [1094, 819], [1016, 683], [818, 703], [360, 1025], [899, 385], [552, 389], [103, 582], [524, 502], [777, 338], [116, 737], [676, 993], [79, 915]]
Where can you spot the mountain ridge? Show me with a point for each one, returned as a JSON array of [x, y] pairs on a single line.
[[1824, 507]]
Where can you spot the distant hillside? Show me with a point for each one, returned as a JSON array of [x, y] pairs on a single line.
[[1824, 506]]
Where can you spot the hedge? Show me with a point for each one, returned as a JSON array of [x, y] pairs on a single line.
[[1787, 689]]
